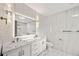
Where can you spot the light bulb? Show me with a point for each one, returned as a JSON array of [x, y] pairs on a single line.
[[9, 18], [37, 18]]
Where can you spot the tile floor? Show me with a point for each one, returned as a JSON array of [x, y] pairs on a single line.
[[54, 52]]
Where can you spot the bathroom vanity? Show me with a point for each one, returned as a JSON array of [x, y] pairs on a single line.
[[26, 42], [24, 48]]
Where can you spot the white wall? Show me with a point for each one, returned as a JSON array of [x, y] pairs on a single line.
[[54, 25], [5, 29]]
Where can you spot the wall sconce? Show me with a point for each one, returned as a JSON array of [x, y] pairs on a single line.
[[8, 12], [2, 18], [8, 18]]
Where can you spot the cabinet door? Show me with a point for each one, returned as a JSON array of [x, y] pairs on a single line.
[[38, 47], [26, 50], [58, 27], [15, 52], [35, 48], [67, 41]]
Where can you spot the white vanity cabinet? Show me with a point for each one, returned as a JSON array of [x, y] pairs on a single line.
[[34, 48], [31, 49]]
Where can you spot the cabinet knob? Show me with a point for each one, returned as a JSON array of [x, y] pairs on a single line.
[[20, 54], [60, 39]]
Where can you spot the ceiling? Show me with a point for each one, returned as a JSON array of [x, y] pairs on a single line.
[[50, 8]]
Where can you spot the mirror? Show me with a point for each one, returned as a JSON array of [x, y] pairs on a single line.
[[24, 25]]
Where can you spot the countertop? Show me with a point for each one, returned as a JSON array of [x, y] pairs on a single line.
[[11, 46]]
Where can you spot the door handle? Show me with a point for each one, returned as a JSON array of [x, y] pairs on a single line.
[[23, 52]]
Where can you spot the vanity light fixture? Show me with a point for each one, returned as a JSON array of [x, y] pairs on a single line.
[[37, 23]]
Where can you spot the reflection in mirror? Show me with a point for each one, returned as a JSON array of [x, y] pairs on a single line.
[[24, 25]]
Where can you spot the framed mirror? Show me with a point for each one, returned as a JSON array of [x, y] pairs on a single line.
[[24, 25]]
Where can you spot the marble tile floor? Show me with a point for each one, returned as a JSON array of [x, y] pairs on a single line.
[[54, 52]]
